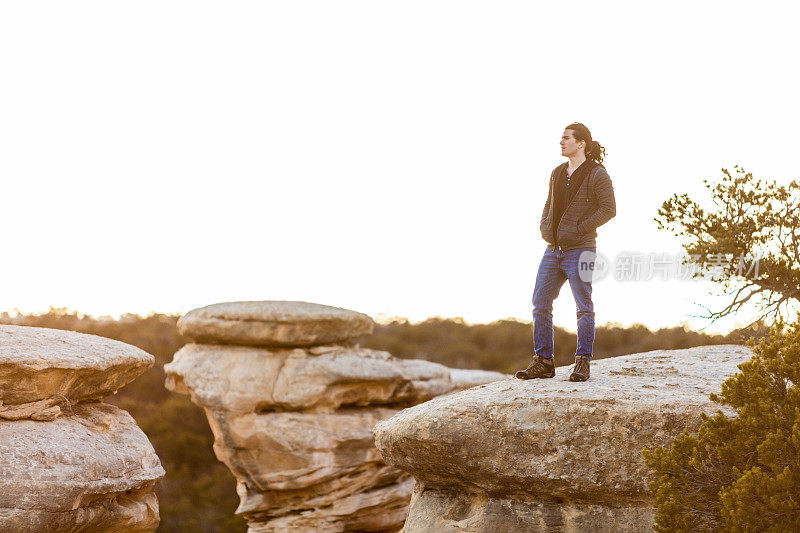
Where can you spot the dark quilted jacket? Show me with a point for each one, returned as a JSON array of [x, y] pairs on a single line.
[[592, 206]]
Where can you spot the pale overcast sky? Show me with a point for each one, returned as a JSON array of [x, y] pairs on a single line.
[[388, 157]]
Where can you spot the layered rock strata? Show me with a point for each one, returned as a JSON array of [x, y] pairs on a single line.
[[548, 454], [69, 462], [294, 423]]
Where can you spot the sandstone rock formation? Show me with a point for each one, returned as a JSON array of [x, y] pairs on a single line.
[[273, 324], [293, 417], [548, 454], [67, 461]]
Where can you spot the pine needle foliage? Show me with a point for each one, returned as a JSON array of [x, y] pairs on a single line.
[[739, 473]]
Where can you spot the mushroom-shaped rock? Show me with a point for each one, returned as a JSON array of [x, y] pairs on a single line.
[[67, 461], [273, 323], [550, 454], [51, 366], [292, 414]]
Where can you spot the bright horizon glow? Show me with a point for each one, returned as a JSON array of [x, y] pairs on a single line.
[[391, 158]]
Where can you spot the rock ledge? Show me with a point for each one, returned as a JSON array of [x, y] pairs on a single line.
[[518, 453]]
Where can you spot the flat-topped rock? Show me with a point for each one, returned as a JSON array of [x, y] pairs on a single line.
[[38, 364], [322, 378], [273, 323], [525, 451], [93, 470]]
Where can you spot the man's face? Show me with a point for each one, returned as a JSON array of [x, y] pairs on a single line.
[[569, 146]]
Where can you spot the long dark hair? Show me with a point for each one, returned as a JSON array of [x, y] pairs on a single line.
[[593, 150]]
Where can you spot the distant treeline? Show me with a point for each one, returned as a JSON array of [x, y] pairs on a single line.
[[507, 345], [199, 493]]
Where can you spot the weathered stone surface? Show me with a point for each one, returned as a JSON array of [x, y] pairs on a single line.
[[312, 458], [464, 378], [273, 323], [442, 511], [93, 470], [378, 510], [40, 364], [134, 512], [42, 410], [244, 379], [534, 451]]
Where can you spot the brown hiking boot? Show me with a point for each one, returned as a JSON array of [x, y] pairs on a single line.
[[580, 372], [540, 367]]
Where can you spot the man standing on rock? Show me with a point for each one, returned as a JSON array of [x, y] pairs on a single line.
[[580, 199]]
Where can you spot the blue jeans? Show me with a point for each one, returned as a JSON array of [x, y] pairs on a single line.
[[558, 266]]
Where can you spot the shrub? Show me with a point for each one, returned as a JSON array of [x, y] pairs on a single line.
[[740, 473]]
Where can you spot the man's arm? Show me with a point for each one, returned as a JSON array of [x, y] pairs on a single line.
[[607, 208], [547, 203]]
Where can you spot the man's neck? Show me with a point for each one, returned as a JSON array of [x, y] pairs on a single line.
[[575, 161]]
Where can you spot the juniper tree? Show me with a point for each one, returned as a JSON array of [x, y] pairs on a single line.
[[749, 218], [741, 473]]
